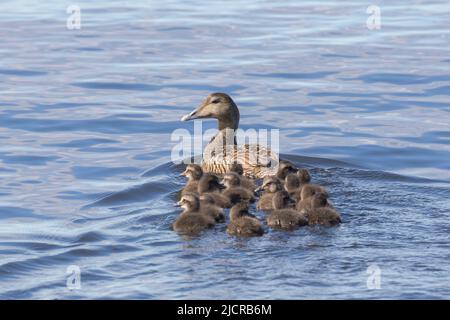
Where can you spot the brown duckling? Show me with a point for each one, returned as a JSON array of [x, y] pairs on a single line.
[[305, 201], [320, 214], [209, 183], [242, 223], [282, 217], [234, 191], [209, 207], [191, 220], [270, 186], [294, 182], [193, 173], [246, 183], [284, 168]]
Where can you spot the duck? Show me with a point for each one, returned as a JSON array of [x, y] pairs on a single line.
[[308, 191], [270, 186], [191, 221], [285, 167], [222, 151], [294, 182], [234, 191], [282, 217], [209, 184], [319, 213], [193, 173], [246, 183], [242, 223], [208, 206]]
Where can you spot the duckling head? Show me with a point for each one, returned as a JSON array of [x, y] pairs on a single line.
[[238, 210], [319, 200], [209, 183], [193, 172], [270, 184], [284, 168], [291, 182], [280, 200], [189, 202], [219, 106], [304, 176], [231, 179]]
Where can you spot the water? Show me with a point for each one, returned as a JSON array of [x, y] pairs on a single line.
[[85, 123]]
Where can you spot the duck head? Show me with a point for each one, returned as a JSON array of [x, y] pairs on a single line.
[[231, 179], [193, 172], [218, 106], [284, 168], [209, 183], [238, 210], [280, 200], [189, 202], [270, 184]]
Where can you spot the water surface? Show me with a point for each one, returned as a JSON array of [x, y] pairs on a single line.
[[86, 116]]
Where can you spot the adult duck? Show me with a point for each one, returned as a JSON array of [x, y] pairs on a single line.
[[222, 151]]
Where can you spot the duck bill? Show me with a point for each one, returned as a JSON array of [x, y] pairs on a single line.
[[191, 116], [178, 204]]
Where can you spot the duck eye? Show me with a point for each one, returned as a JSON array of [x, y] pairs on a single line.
[[215, 101]]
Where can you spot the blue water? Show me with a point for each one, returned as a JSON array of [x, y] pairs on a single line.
[[86, 116]]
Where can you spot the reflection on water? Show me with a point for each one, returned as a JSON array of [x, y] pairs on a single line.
[[85, 123]]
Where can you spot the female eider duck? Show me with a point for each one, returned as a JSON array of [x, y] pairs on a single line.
[[243, 223], [191, 221], [222, 151], [282, 217]]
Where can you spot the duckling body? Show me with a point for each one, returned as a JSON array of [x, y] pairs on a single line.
[[316, 197], [324, 216], [209, 184], [242, 223], [191, 221], [222, 151], [234, 191], [193, 172], [282, 217], [209, 208], [319, 212]]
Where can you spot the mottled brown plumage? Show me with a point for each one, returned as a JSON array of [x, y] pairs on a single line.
[[243, 224]]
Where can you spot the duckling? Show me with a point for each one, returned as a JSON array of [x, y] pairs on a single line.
[[191, 220], [294, 182], [193, 172], [246, 183], [234, 191], [318, 214], [306, 194], [282, 217], [284, 168], [270, 186], [209, 184], [218, 156], [209, 207], [242, 223]]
